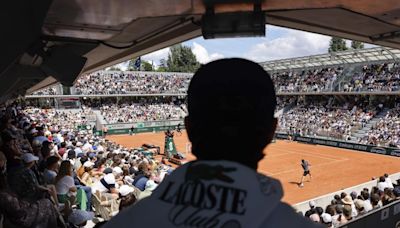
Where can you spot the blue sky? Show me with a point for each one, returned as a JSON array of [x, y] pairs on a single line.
[[279, 43]]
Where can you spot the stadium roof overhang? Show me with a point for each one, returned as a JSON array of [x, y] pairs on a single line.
[[370, 55], [62, 38]]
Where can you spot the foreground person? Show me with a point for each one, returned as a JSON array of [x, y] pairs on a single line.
[[236, 99]]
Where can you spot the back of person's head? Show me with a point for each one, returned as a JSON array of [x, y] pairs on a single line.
[[51, 161], [127, 201], [342, 195], [330, 209], [382, 179], [339, 208], [231, 105], [347, 211], [365, 195], [65, 170], [319, 210], [375, 199]]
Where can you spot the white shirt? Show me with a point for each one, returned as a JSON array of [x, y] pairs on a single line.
[[87, 147], [228, 194], [98, 186], [49, 176], [389, 182], [64, 184], [367, 205], [382, 186]]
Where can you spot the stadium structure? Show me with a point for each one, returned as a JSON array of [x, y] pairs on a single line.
[[339, 109]]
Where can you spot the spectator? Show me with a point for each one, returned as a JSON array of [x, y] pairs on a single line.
[[360, 207], [25, 183], [388, 181], [127, 197], [348, 212], [326, 219], [51, 170], [65, 185], [79, 218], [21, 213], [375, 201], [367, 202], [215, 164], [382, 184]]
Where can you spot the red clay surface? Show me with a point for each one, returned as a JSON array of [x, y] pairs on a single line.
[[332, 168]]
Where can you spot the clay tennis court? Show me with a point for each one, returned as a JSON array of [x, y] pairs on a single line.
[[332, 168]]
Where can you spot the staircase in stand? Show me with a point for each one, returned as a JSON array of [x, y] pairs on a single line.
[[355, 136]]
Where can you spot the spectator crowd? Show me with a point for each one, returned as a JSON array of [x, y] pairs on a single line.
[[135, 82], [386, 132], [326, 118], [315, 80], [375, 77], [372, 77], [345, 207], [53, 174]]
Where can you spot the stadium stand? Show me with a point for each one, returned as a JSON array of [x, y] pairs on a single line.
[[345, 206], [327, 118], [315, 80], [375, 77], [114, 82]]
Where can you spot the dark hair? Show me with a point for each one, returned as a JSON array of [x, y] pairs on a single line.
[[365, 195], [382, 179], [84, 159], [100, 162], [339, 208], [51, 161], [375, 199], [347, 210], [319, 210], [126, 201], [242, 98], [330, 209], [343, 194]]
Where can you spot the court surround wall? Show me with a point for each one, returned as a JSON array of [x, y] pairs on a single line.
[[342, 144]]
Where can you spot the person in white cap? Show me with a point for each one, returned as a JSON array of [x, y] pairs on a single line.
[[107, 184], [127, 196], [327, 220], [86, 177], [79, 218]]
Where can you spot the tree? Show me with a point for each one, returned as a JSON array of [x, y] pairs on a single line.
[[146, 66], [182, 59], [162, 67], [114, 68], [337, 44], [131, 65], [357, 44]]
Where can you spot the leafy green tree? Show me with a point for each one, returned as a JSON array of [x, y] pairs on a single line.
[[114, 68], [357, 44], [337, 44], [181, 59], [131, 65], [162, 67], [146, 66]]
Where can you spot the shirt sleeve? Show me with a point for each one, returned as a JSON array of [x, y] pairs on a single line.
[[69, 181]]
